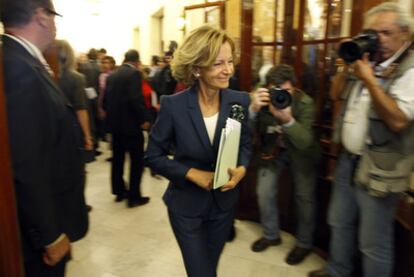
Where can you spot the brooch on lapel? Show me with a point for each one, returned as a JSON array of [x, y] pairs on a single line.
[[237, 112]]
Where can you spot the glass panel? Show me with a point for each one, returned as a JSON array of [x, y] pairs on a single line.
[[264, 20], [312, 65], [331, 56], [315, 19], [233, 18], [280, 20], [193, 19], [340, 18], [213, 16], [262, 61]]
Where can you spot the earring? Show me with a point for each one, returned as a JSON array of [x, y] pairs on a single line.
[[197, 75]]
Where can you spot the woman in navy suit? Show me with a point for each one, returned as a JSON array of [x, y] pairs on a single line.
[[190, 122]]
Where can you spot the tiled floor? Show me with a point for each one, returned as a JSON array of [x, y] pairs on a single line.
[[139, 241]]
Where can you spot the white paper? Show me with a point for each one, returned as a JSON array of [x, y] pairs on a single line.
[[228, 152], [91, 93]]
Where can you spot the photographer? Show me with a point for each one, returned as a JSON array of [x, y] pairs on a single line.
[[286, 139], [377, 135]]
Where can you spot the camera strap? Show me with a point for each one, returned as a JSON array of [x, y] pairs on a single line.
[[390, 71]]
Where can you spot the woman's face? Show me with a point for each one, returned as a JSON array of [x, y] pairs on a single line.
[[217, 76]]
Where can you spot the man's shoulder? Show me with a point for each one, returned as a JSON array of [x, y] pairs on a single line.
[[18, 65], [304, 97]]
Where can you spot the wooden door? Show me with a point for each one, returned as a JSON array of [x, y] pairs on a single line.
[[10, 250]]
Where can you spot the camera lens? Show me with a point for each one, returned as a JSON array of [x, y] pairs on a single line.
[[280, 98], [366, 42]]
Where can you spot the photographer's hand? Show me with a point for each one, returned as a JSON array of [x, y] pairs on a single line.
[[283, 116], [259, 98], [362, 69]]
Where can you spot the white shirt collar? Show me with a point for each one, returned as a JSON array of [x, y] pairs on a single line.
[[32, 49]]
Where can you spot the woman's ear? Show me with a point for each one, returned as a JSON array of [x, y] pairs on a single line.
[[196, 73]]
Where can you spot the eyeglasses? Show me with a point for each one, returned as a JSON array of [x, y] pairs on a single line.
[[51, 12]]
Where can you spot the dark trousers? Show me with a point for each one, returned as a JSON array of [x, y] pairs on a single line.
[[37, 268], [134, 146], [201, 239]]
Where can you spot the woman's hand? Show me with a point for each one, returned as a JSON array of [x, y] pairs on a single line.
[[203, 179], [236, 174]]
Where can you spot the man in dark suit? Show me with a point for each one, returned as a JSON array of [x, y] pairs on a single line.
[[126, 118], [45, 141]]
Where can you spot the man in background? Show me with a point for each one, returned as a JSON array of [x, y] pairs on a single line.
[[45, 141], [126, 117]]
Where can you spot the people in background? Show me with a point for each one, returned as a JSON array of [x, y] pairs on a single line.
[[155, 66], [72, 84], [91, 70], [376, 131], [190, 122], [101, 53], [45, 141], [126, 117], [286, 140], [107, 67], [163, 82]]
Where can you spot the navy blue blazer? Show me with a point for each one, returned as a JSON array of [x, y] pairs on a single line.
[[180, 125]]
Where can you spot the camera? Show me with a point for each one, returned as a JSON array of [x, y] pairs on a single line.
[[280, 98], [367, 41]]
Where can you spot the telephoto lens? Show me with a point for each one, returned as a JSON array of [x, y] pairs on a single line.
[[365, 42], [280, 98]]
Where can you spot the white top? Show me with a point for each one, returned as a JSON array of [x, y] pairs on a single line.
[[355, 128], [211, 123]]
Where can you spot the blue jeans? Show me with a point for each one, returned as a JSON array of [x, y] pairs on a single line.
[[353, 211], [267, 188]]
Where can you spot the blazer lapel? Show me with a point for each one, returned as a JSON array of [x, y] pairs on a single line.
[[197, 118]]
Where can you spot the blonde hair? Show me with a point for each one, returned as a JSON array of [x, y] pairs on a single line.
[[199, 50], [66, 55]]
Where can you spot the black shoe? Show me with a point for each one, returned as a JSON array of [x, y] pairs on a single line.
[[138, 202], [232, 234], [319, 273], [262, 243], [88, 208], [120, 197], [297, 255]]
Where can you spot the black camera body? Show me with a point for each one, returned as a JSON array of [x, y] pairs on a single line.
[[365, 42], [280, 98]]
